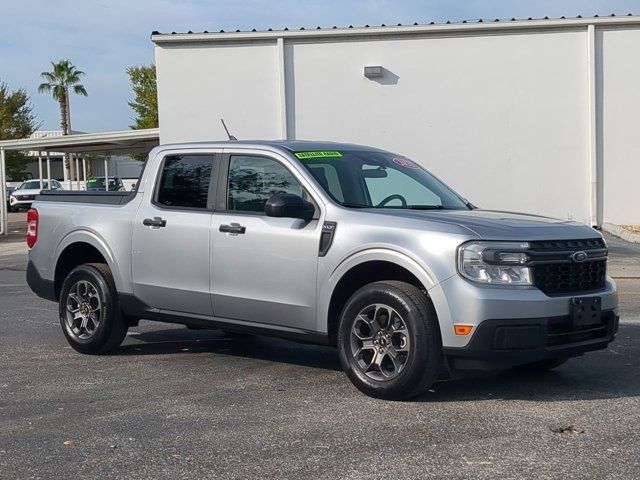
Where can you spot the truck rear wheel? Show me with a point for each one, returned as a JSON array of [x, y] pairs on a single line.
[[389, 341], [89, 312]]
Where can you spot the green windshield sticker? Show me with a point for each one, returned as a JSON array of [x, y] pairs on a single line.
[[322, 154]]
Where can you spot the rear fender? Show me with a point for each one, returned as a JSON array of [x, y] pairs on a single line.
[[95, 240]]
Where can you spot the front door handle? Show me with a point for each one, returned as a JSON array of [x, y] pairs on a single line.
[[233, 228], [154, 222]]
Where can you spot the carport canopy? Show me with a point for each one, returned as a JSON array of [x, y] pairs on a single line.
[[111, 143]]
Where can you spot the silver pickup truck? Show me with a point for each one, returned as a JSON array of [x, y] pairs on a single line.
[[326, 243]]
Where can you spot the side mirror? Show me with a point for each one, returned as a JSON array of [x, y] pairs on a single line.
[[289, 206]]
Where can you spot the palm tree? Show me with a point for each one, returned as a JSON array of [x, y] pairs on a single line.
[[63, 77]]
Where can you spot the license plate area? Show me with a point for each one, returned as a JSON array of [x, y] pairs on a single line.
[[586, 311]]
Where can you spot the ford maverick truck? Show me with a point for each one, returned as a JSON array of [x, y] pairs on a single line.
[[327, 243]]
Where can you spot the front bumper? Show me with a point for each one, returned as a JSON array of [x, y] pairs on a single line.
[[15, 202], [509, 342], [459, 301]]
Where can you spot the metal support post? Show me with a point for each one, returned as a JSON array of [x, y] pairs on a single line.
[[48, 170], [3, 194]]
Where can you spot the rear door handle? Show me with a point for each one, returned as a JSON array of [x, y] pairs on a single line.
[[233, 228], [154, 222]]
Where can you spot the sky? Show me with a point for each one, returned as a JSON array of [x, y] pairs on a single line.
[[104, 37]]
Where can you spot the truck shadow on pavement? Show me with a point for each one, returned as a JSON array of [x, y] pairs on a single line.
[[182, 340], [611, 373]]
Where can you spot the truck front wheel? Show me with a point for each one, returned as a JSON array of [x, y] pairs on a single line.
[[389, 341], [89, 312]]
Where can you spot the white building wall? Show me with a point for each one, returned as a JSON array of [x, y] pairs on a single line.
[[502, 116], [619, 73], [502, 119], [199, 85]]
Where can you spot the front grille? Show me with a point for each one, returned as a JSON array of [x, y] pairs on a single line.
[[561, 245], [561, 331], [556, 273], [560, 278], [26, 197]]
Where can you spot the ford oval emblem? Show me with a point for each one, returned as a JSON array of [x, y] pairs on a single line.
[[579, 256]]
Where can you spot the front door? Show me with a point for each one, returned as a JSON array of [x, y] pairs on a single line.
[[263, 269], [171, 236]]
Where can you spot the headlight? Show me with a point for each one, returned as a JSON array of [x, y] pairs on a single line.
[[495, 263]]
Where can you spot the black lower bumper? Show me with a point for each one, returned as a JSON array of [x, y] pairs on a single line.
[[41, 287], [505, 343]]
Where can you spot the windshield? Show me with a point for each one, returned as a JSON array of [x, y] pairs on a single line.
[[372, 179], [31, 185]]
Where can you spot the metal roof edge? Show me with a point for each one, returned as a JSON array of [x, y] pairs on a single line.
[[79, 139], [468, 27]]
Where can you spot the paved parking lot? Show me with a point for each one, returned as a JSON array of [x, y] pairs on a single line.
[[176, 403]]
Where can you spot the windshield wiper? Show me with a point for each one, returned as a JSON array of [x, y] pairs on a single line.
[[410, 207], [425, 207], [355, 205]]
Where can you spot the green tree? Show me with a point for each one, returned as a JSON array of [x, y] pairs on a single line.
[[17, 120], [63, 77], [145, 101], [145, 91]]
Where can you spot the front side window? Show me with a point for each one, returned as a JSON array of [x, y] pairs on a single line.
[[253, 180], [376, 179], [184, 181]]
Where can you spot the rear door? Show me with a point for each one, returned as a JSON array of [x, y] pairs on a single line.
[[171, 235]]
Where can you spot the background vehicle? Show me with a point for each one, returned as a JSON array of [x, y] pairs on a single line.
[[24, 195], [10, 190], [328, 243], [97, 183]]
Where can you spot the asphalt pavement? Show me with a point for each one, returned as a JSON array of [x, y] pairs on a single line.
[[176, 403]]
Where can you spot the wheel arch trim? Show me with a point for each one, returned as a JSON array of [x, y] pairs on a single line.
[[327, 288], [96, 241]]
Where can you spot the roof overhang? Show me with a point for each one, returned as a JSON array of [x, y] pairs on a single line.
[[124, 142], [461, 28]]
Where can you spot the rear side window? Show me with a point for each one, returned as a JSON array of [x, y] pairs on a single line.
[[253, 180], [184, 181]]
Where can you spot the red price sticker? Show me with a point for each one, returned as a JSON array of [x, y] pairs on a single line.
[[405, 162]]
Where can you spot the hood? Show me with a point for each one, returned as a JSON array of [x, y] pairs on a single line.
[[498, 225], [29, 191]]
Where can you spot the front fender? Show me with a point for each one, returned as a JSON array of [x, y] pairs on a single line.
[[327, 286]]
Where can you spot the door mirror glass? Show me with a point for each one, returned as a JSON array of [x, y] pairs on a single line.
[[289, 205]]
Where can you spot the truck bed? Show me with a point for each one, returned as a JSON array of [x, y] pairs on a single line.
[[105, 198]]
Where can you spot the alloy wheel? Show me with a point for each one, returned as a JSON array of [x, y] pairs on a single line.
[[83, 309], [380, 344]]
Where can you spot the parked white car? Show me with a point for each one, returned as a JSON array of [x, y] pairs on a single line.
[[25, 194]]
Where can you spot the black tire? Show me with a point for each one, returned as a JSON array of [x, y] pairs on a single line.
[[541, 366], [423, 362], [111, 329]]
